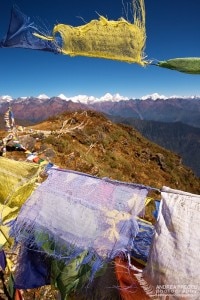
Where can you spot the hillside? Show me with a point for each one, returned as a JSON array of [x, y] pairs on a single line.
[[86, 141], [177, 127], [176, 137]]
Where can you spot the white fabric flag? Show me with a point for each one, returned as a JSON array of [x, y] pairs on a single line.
[[173, 267], [72, 212]]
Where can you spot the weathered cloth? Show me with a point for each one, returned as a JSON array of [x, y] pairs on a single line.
[[3, 262], [9, 119], [71, 212], [156, 212], [118, 40], [103, 38], [129, 286], [142, 242], [173, 267], [17, 181], [20, 34], [190, 65], [33, 269]]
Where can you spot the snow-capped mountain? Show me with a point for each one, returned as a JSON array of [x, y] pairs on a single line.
[[154, 96], [153, 107], [117, 97], [6, 98], [85, 99], [90, 99], [42, 97], [113, 98]]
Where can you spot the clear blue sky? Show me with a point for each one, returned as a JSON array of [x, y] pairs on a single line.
[[173, 30]]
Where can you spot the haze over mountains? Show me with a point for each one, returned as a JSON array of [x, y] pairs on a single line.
[[173, 123]]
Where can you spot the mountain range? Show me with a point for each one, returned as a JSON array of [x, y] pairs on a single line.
[[151, 107], [171, 122]]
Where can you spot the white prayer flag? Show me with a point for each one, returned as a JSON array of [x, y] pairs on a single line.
[[173, 266]]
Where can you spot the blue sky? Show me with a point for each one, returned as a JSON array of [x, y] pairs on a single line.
[[173, 30]]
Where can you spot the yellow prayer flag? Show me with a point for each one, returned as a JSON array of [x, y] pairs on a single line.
[[103, 38]]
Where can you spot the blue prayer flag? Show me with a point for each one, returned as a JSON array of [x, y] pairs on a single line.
[[20, 34]]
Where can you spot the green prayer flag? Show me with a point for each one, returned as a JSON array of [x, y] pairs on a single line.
[[190, 65]]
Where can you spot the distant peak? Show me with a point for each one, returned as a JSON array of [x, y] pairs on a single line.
[[6, 98], [154, 96], [63, 97], [42, 96], [114, 98]]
